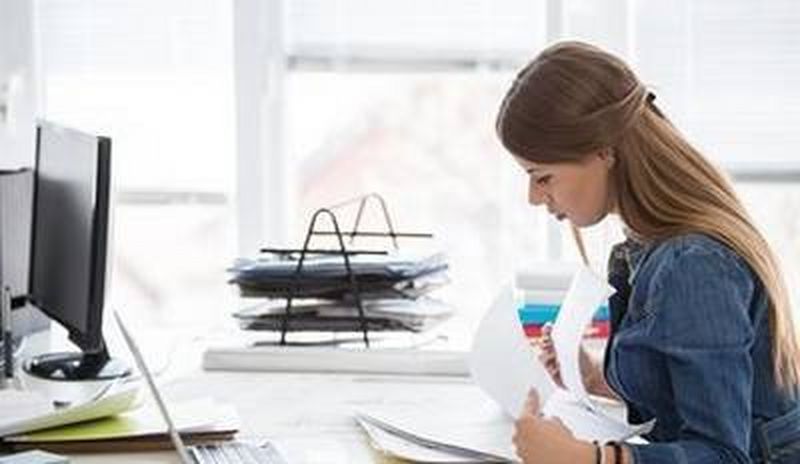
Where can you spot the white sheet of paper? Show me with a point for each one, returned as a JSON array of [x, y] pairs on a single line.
[[466, 419], [110, 404], [586, 292], [502, 361], [394, 445], [603, 423], [18, 405]]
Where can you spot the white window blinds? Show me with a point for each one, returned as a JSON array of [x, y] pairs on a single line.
[[414, 29], [727, 70], [156, 76]]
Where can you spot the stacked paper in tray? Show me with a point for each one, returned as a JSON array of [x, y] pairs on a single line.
[[416, 315], [326, 276], [393, 288]]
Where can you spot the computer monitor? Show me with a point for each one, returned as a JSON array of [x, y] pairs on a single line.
[[68, 249]]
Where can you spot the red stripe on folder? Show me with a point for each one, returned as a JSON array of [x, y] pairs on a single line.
[[599, 329]]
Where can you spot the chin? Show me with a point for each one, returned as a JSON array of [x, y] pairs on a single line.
[[587, 222]]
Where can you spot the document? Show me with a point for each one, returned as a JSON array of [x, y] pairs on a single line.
[[586, 293], [193, 417], [502, 361], [392, 441], [505, 367], [465, 423]]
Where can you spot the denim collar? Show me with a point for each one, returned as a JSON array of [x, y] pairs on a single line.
[[636, 252]]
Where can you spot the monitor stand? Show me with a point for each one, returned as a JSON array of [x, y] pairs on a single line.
[[75, 366], [15, 344]]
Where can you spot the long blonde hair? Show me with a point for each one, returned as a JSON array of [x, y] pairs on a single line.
[[575, 99]]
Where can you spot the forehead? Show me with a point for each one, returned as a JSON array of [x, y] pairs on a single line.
[[530, 166]]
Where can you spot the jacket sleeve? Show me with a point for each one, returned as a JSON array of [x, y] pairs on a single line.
[[702, 329]]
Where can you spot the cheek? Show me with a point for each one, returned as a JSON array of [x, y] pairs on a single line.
[[586, 198], [596, 194]]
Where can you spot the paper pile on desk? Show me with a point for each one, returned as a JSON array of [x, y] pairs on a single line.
[[140, 429], [464, 425], [35, 412], [418, 315], [394, 291], [391, 275], [505, 366]]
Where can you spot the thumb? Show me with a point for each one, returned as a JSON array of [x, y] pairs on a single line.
[[547, 329], [532, 403], [561, 425]]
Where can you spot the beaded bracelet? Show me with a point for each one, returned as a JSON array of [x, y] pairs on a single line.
[[617, 451], [599, 457]]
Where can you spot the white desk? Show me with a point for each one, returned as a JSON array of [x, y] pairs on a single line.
[[309, 416]]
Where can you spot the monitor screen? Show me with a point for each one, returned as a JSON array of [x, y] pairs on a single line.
[[70, 226]]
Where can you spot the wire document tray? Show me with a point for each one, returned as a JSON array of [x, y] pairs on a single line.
[[343, 288]]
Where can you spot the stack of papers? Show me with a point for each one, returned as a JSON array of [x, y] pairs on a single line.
[[416, 315], [20, 405], [140, 429], [31, 411], [394, 291], [465, 426], [392, 440], [393, 274], [505, 367]]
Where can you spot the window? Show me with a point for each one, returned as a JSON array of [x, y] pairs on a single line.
[[156, 77], [378, 99], [399, 98]]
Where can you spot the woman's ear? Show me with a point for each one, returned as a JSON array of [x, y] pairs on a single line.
[[607, 155]]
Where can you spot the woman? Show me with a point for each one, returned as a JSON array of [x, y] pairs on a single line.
[[702, 335]]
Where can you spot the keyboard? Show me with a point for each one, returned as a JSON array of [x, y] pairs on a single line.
[[235, 453]]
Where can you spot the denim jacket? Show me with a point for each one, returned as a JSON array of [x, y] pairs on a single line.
[[690, 347]]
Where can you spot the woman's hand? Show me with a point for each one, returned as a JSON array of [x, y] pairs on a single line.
[[539, 440], [590, 372], [547, 355]]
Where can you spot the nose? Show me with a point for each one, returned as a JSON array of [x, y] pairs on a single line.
[[536, 194]]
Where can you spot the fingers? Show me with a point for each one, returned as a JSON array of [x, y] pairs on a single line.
[[548, 357], [547, 354], [522, 426], [530, 411], [532, 403], [549, 360], [547, 329], [536, 438], [546, 338]]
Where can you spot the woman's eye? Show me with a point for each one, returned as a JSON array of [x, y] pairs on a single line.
[[544, 180]]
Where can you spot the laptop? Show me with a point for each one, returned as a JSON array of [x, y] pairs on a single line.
[[228, 452]]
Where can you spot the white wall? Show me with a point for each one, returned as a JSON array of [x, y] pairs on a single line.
[[17, 84], [17, 114]]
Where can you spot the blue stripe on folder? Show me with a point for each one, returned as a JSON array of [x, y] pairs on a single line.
[[542, 313]]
